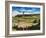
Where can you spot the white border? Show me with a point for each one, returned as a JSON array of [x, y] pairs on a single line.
[[24, 32]]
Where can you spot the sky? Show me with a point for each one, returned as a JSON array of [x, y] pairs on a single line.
[[26, 10]]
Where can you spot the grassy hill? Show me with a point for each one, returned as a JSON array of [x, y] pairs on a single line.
[[26, 22]]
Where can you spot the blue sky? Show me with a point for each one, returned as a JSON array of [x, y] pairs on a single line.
[[27, 10]]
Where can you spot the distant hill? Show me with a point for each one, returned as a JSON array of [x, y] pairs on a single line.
[[27, 14]]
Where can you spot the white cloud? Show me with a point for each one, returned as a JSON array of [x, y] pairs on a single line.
[[14, 13]]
